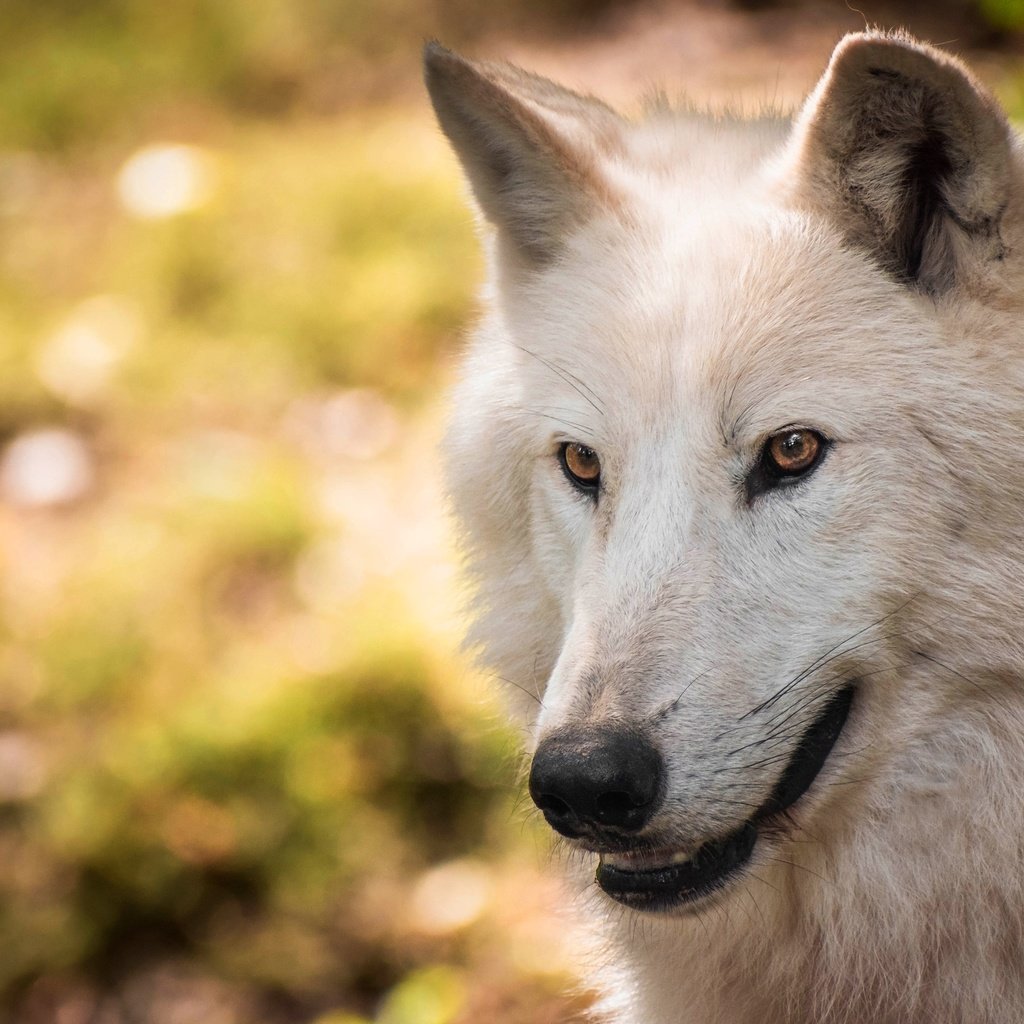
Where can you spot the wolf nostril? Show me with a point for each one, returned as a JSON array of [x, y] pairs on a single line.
[[552, 805], [599, 777], [616, 807]]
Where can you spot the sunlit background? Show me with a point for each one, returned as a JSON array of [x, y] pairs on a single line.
[[245, 777]]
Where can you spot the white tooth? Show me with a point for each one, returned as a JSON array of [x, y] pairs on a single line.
[[615, 860], [644, 862]]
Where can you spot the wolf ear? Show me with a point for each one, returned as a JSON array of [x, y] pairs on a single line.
[[529, 148], [909, 155]]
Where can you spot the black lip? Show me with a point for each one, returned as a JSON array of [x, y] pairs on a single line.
[[663, 888], [718, 860], [810, 755]]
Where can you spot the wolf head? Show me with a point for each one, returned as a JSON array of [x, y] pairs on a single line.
[[736, 453]]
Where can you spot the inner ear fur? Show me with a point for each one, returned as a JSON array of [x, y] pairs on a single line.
[[528, 147], [910, 156]]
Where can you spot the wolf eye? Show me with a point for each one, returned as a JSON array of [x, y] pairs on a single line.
[[786, 458], [581, 465], [793, 452]]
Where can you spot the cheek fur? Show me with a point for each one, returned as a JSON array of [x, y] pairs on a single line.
[[560, 530]]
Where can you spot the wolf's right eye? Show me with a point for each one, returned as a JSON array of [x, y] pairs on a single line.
[[581, 465]]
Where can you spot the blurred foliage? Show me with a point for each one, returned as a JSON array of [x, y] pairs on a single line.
[[73, 72], [240, 778], [1003, 14]]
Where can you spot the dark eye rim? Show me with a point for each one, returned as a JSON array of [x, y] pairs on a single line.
[[587, 487], [766, 475]]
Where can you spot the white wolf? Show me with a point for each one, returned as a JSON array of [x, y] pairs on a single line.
[[738, 454]]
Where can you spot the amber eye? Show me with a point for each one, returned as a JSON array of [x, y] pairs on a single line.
[[786, 458], [792, 452], [581, 465]]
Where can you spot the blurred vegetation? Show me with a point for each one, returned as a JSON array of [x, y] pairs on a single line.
[[242, 778], [1003, 14], [74, 73]]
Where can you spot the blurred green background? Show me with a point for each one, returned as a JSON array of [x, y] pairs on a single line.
[[244, 776]]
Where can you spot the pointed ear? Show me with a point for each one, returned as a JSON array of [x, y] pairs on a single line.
[[902, 147], [529, 148]]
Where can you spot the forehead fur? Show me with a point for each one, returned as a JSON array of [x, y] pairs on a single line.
[[745, 308]]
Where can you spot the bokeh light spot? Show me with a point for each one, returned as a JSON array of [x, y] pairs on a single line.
[[166, 180], [78, 360], [451, 896], [46, 467]]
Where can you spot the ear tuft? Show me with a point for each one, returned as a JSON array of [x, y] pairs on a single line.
[[910, 155], [527, 146]]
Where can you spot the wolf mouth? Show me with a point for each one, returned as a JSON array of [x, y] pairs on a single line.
[[661, 880]]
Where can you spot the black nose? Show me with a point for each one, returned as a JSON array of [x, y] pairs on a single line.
[[597, 778]]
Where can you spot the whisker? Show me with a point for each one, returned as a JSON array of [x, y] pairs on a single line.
[[801, 867], [850, 650], [775, 758], [824, 659], [519, 686], [585, 392], [582, 428], [673, 705], [738, 803], [769, 885], [985, 691], [808, 700]]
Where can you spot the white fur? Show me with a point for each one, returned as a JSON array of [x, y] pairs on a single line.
[[720, 297]]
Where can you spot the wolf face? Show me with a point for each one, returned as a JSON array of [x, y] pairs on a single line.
[[735, 454]]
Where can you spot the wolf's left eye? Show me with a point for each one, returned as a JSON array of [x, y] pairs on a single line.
[[581, 465], [793, 452], [786, 458]]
